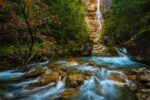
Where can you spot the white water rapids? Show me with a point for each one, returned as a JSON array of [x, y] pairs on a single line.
[[100, 86]]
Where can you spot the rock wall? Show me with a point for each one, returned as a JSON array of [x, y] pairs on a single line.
[[139, 48], [105, 7]]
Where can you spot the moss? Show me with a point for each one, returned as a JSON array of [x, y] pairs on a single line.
[[76, 79], [126, 20], [68, 94], [34, 73]]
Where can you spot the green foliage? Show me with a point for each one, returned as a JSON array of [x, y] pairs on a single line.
[[126, 19], [66, 21], [42, 27]]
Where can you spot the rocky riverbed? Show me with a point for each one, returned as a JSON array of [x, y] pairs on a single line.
[[85, 78]]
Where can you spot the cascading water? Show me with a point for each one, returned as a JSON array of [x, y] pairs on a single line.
[[100, 86], [99, 14], [121, 51]]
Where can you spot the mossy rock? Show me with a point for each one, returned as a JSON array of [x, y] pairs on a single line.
[[92, 63], [34, 73], [47, 78], [76, 79], [117, 77], [68, 94]]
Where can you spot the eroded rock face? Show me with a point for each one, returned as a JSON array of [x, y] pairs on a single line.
[[105, 7], [139, 48], [101, 50]]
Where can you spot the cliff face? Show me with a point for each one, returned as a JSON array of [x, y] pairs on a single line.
[[127, 24], [91, 16], [139, 48], [105, 7], [91, 19]]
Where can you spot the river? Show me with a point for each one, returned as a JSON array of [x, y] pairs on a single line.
[[99, 86]]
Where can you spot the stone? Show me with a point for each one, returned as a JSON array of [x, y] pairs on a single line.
[[92, 63], [68, 94], [145, 77], [133, 78], [102, 50], [47, 78], [116, 77], [91, 8], [76, 79], [34, 73], [143, 94], [129, 71], [139, 47]]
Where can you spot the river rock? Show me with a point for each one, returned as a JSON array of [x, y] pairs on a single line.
[[145, 77], [68, 94], [143, 94], [92, 63], [34, 73], [129, 71], [76, 79], [117, 77], [47, 78]]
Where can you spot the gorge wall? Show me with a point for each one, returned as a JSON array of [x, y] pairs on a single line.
[[127, 24]]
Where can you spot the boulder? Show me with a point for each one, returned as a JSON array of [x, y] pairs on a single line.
[[76, 79], [117, 77], [143, 94], [34, 73], [145, 77], [139, 47], [68, 94]]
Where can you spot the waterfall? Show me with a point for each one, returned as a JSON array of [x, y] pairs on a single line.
[[122, 52], [99, 14]]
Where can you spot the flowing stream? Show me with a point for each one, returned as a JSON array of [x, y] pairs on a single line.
[[100, 86]]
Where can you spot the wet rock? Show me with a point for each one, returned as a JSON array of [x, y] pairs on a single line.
[[145, 77], [76, 79], [129, 71], [147, 85], [105, 7], [60, 71], [68, 94], [101, 50], [133, 78], [34, 73], [47, 78], [75, 60], [117, 77], [139, 47], [92, 63], [143, 94], [53, 76], [91, 8]]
